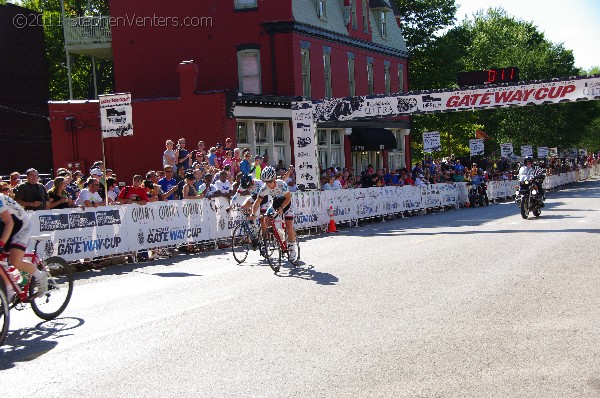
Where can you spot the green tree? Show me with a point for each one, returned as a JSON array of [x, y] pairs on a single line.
[[422, 19], [81, 66]]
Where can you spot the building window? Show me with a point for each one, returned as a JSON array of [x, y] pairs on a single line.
[[351, 81], [370, 77], [400, 78], [383, 23], [330, 148], [240, 4], [278, 132], [327, 71], [260, 131], [241, 133], [268, 136], [387, 78], [249, 71], [353, 16], [305, 54], [365, 16], [322, 9], [396, 156]]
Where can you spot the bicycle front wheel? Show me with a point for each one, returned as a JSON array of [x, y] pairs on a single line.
[[241, 244], [271, 244], [60, 289], [4, 315]]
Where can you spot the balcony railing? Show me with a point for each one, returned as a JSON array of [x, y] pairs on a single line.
[[87, 30]]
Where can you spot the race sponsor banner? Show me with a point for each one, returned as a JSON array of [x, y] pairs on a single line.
[[309, 210], [432, 196], [431, 142], [448, 194], [542, 152], [77, 234], [386, 105], [116, 117], [305, 145], [527, 151], [476, 146], [506, 150], [411, 198]]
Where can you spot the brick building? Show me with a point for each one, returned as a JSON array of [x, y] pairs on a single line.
[[248, 60]]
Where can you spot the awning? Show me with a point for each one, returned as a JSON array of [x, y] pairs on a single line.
[[373, 139]]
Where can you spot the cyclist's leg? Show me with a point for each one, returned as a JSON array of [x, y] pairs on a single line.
[[17, 245]]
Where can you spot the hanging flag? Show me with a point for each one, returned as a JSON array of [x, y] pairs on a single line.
[[481, 134], [116, 117]]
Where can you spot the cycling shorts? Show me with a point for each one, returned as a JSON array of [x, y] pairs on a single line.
[[288, 213], [19, 237]]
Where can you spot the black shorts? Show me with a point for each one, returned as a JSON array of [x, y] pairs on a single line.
[[19, 237]]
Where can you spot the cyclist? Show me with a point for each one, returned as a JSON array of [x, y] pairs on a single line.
[[282, 201], [14, 238]]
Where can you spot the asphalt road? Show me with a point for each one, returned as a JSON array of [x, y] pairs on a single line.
[[464, 303]]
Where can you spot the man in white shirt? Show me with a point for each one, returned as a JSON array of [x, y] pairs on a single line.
[[222, 186], [89, 197]]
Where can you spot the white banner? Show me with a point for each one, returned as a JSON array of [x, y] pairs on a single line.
[[305, 145], [552, 152], [582, 152], [526, 151], [542, 152], [476, 146], [506, 150], [555, 91], [116, 117], [431, 142]]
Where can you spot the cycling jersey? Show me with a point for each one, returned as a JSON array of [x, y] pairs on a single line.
[[19, 237], [278, 193]]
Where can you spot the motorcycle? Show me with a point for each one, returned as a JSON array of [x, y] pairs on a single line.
[[529, 196], [478, 195]]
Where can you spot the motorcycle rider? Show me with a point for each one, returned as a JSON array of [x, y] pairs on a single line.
[[527, 173]]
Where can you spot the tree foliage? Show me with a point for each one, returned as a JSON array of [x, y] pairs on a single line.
[[81, 66], [493, 39]]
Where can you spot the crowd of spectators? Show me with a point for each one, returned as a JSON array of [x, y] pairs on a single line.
[[216, 172]]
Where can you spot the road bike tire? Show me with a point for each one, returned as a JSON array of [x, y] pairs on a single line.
[[241, 243], [4, 314], [271, 242], [60, 289], [525, 208]]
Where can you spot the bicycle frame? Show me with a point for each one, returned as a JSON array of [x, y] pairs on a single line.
[[21, 294], [271, 222]]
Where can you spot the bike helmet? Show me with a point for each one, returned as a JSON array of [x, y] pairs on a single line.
[[268, 174], [246, 181]]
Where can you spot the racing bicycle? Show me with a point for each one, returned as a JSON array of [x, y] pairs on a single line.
[[277, 237], [50, 305]]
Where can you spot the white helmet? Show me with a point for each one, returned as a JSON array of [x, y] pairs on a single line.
[[268, 174]]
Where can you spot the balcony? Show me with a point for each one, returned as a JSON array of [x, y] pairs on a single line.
[[89, 36]]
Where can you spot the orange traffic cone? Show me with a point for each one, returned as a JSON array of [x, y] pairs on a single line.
[[331, 221]]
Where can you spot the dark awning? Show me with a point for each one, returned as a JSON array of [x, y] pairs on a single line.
[[364, 139]]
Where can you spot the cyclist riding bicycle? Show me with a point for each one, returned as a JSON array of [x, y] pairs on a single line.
[[14, 238], [282, 200]]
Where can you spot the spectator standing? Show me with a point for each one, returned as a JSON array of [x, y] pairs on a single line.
[[236, 160], [212, 157], [245, 166], [169, 155], [265, 161], [199, 156], [220, 154], [168, 183], [89, 196], [15, 179], [111, 192], [228, 145], [98, 174], [58, 195], [183, 156], [256, 167], [337, 182], [207, 189], [31, 194], [223, 186], [189, 190], [135, 193]]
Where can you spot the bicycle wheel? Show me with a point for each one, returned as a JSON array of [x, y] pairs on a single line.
[[4, 314], [60, 289], [270, 243], [241, 243]]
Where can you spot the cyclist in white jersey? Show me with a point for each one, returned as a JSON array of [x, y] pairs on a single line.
[[282, 201], [14, 238]]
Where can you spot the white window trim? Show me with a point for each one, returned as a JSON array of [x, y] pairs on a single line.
[[270, 144], [306, 85], [387, 77], [370, 78], [329, 147], [241, 77], [323, 15], [351, 77], [327, 75]]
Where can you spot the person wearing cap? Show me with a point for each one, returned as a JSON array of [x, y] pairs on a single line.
[[98, 174], [420, 181], [31, 194], [256, 168]]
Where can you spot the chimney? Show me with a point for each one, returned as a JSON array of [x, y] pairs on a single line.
[[188, 78]]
